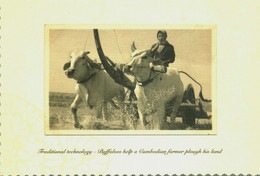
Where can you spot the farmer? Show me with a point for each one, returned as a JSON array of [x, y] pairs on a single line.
[[162, 51]]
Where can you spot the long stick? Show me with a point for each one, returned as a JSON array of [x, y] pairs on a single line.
[[115, 73]]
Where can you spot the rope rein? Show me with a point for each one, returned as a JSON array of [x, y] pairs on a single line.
[[88, 78], [86, 43], [149, 80], [117, 44]]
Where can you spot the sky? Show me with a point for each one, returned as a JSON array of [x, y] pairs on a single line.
[[193, 49]]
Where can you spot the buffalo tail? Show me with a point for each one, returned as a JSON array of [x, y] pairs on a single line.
[[200, 94]]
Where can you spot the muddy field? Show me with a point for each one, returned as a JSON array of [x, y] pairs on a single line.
[[119, 119]]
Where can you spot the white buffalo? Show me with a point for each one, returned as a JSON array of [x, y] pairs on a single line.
[[95, 87], [154, 90], [159, 91]]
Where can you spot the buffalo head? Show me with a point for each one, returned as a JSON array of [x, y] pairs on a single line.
[[80, 66], [140, 64]]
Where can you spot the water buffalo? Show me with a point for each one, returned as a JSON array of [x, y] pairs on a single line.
[[157, 92], [94, 86], [154, 90]]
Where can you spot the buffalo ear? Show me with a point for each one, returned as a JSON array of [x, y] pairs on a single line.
[[66, 66], [85, 53]]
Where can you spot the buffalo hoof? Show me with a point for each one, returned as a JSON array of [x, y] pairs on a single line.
[[169, 120], [77, 125], [189, 128], [145, 123]]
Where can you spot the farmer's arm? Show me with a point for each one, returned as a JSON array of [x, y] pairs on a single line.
[[154, 48], [168, 56]]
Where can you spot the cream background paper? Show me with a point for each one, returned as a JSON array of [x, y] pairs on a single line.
[[22, 90]]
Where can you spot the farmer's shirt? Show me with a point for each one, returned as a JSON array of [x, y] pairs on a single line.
[[164, 53]]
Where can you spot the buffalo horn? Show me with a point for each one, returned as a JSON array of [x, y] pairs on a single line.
[[133, 48]]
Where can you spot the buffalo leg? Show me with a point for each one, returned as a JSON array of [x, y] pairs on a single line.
[[99, 113], [74, 108], [175, 108], [104, 111], [161, 119], [142, 116], [114, 104], [168, 109]]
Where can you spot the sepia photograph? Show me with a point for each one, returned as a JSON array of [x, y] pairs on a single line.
[[131, 80]]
